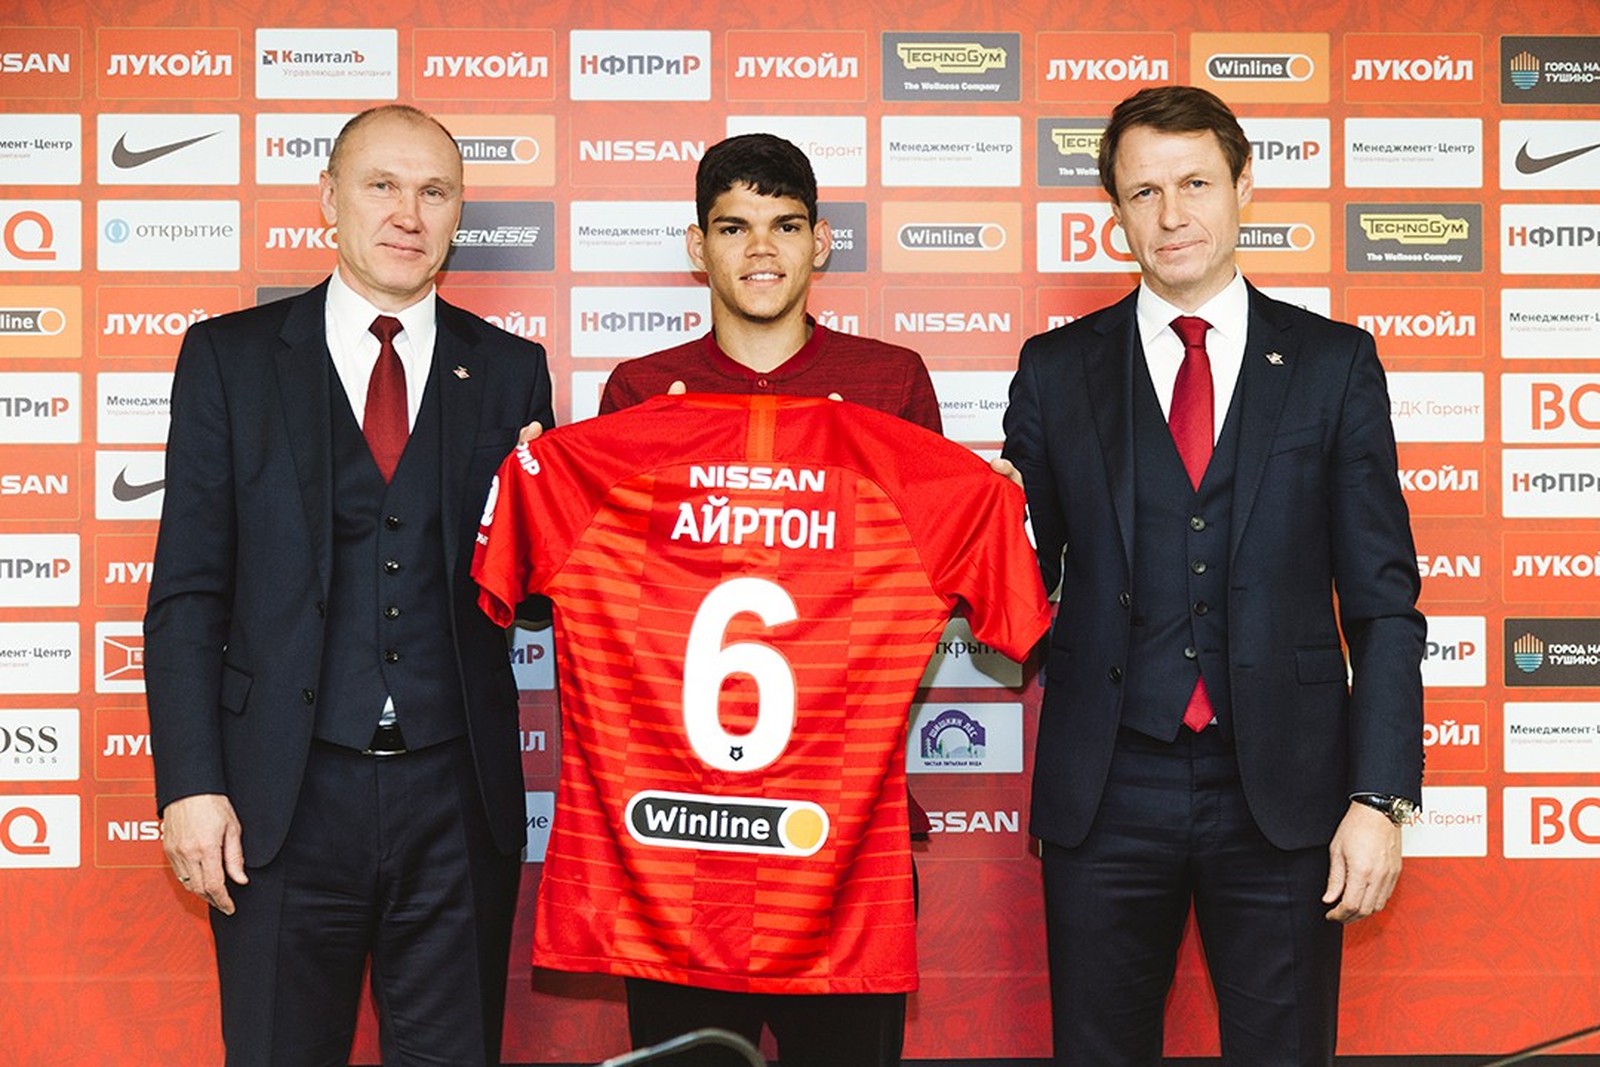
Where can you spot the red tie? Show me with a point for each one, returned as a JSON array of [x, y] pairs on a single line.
[[1190, 420], [1191, 415], [385, 423]]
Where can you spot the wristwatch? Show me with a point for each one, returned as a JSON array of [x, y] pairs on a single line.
[[1400, 810]]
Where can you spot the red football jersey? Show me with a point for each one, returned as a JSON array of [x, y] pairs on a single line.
[[747, 590]]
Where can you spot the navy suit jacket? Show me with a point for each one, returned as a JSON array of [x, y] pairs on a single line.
[[1320, 544], [234, 627]]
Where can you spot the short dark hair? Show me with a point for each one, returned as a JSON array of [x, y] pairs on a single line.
[[415, 114], [765, 162], [1173, 109]]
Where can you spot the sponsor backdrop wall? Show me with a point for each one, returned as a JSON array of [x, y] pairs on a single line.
[[1426, 170]]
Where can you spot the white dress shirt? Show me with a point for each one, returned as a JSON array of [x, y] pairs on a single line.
[[347, 322], [1229, 315]]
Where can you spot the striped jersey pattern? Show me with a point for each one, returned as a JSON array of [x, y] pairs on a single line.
[[747, 589]]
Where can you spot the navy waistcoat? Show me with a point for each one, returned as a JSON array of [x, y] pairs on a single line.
[[388, 620], [1180, 573]]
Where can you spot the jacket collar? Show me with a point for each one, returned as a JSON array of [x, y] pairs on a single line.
[[1113, 363]]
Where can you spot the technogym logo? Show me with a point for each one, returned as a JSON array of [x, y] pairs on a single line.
[[1415, 228], [1414, 237], [726, 824], [1067, 151], [955, 57], [951, 65], [1077, 140]]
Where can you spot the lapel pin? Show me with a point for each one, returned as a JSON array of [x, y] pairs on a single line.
[[1275, 358], [461, 372]]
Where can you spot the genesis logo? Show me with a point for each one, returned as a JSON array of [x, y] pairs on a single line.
[[123, 490], [125, 158], [1527, 164]]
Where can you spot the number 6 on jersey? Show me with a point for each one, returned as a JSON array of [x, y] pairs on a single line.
[[706, 663]]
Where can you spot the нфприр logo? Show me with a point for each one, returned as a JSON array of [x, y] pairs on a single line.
[[1528, 653]]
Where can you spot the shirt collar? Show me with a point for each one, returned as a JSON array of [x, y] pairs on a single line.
[[351, 314], [803, 357], [1228, 312]]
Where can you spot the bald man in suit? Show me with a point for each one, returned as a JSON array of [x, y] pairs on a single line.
[[334, 722]]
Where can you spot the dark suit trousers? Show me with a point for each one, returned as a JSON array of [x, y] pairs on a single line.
[[1172, 829], [388, 859], [812, 1030]]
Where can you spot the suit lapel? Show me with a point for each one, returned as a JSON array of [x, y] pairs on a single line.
[[1271, 353], [1110, 368], [461, 381], [303, 369]]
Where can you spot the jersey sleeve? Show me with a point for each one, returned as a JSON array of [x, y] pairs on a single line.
[[998, 575], [968, 525], [540, 502]]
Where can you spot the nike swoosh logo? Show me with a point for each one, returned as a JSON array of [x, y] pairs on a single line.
[[122, 490], [125, 158], [1527, 164]]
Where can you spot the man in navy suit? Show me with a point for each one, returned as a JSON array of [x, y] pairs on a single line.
[[334, 721], [1211, 476]]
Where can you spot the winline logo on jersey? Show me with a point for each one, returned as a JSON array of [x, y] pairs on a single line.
[[726, 824]]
